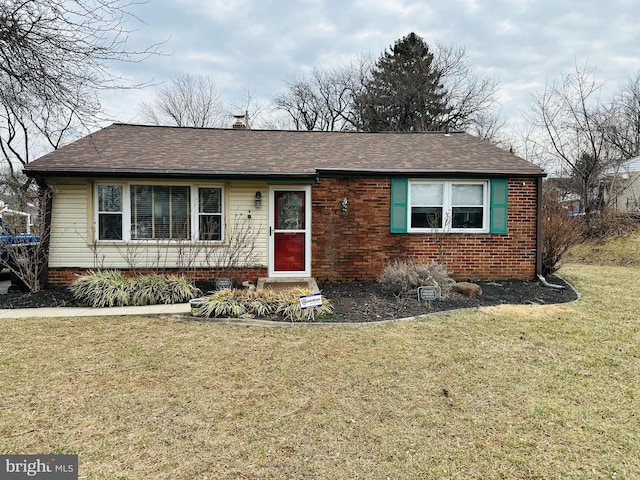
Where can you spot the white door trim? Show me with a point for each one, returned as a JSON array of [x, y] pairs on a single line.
[[307, 231]]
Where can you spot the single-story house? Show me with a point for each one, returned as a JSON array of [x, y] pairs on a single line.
[[337, 206], [623, 185]]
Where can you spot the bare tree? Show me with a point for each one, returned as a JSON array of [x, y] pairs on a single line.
[[570, 115], [324, 100], [470, 98], [489, 126], [30, 127], [186, 101], [623, 119], [26, 257], [49, 47], [54, 57], [14, 193]]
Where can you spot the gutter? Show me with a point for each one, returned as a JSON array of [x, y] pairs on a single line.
[[346, 172], [164, 174]]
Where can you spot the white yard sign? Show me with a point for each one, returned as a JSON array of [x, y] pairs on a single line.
[[310, 301]]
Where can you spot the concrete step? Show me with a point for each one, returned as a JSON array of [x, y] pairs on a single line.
[[279, 284]]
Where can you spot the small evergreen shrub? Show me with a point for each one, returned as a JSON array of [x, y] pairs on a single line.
[[402, 277], [111, 288]]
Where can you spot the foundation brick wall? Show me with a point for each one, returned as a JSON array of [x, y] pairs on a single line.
[[356, 244], [65, 276]]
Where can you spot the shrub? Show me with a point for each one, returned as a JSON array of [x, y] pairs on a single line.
[[606, 224], [559, 233], [402, 277], [112, 289]]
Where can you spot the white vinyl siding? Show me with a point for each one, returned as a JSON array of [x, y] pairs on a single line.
[[74, 218]]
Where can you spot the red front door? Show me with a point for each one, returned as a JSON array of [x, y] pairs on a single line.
[[289, 249]]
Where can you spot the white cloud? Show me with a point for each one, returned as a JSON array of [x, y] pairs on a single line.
[[506, 27], [254, 44]]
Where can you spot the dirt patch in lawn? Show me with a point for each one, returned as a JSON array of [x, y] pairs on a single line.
[[365, 301]]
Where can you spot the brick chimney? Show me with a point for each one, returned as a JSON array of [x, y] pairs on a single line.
[[242, 121]]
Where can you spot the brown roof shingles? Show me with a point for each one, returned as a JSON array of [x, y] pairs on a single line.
[[122, 149]]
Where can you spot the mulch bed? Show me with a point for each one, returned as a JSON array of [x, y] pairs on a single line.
[[369, 301], [365, 301]]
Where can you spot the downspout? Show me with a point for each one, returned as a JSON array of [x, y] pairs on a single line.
[[539, 214]]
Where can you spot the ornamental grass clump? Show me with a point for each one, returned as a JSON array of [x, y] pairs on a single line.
[[231, 303], [111, 288], [402, 277], [262, 303], [289, 306], [227, 302], [157, 289], [106, 288]]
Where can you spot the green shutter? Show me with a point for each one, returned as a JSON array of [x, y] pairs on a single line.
[[399, 196], [499, 200]]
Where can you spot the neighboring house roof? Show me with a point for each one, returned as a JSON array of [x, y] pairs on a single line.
[[137, 150], [628, 166]]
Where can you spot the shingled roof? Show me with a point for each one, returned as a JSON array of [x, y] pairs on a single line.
[[137, 150]]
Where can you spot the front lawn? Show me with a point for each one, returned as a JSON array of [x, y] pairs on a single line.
[[498, 392]]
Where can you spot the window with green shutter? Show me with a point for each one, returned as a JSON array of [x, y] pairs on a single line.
[[457, 206], [399, 192], [499, 205]]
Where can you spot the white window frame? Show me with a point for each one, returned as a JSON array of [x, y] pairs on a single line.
[[98, 212], [126, 212], [195, 212], [447, 206]]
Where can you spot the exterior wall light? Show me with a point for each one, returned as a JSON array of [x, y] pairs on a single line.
[[345, 204], [258, 199]]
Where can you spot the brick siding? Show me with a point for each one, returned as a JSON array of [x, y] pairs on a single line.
[[65, 276], [356, 244]]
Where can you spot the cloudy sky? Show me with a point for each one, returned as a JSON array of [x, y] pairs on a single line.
[[258, 45]]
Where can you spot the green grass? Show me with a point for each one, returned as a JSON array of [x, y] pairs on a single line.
[[546, 392]]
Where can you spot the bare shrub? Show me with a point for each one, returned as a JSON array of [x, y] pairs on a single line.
[[240, 250], [402, 277], [27, 256], [560, 232], [607, 223]]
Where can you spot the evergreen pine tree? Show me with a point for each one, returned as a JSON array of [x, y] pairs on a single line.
[[405, 92]]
